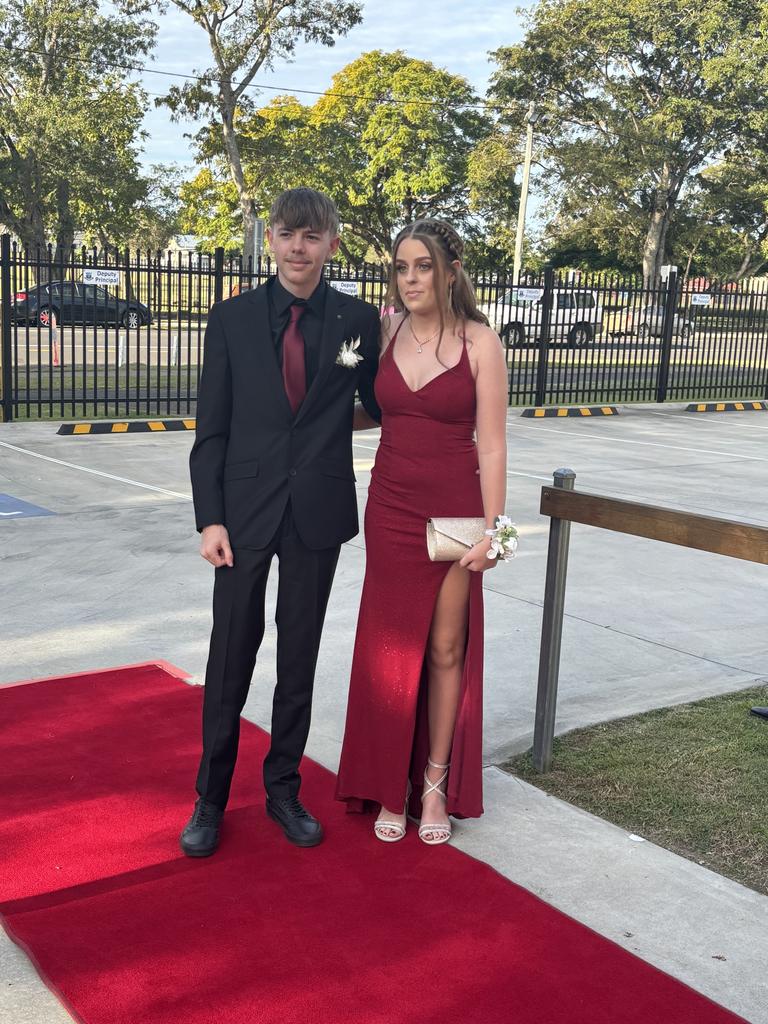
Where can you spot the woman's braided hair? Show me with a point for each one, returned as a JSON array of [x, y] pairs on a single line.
[[455, 294], [447, 235]]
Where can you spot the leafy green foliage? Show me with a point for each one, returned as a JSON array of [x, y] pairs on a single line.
[[636, 99], [69, 120], [245, 36], [390, 141]]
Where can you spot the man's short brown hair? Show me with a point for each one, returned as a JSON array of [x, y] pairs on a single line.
[[304, 208]]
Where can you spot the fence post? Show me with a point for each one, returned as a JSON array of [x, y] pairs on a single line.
[[551, 632], [6, 383], [218, 274], [546, 312], [670, 311]]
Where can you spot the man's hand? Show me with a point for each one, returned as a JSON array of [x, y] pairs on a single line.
[[214, 546]]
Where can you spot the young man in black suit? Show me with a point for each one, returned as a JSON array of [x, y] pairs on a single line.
[[272, 474]]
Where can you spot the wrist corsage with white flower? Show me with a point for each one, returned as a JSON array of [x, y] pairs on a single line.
[[348, 355], [503, 539]]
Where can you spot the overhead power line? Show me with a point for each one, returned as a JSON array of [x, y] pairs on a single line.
[[287, 90], [214, 80]]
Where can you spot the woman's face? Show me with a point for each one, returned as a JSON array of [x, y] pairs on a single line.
[[415, 277]]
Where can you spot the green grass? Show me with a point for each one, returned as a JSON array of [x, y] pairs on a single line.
[[692, 778]]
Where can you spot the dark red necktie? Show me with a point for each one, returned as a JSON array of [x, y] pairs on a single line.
[[294, 368]]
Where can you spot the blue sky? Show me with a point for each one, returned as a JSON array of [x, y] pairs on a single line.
[[454, 34]]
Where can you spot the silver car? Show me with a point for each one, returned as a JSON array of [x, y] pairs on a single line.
[[651, 324]]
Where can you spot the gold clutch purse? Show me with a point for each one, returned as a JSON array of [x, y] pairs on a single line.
[[448, 539]]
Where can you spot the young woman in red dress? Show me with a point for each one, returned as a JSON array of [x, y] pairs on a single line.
[[413, 738]]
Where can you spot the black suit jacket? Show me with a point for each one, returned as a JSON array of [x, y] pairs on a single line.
[[251, 455]]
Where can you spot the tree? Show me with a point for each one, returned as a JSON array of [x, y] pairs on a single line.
[[390, 141], [69, 120], [637, 98], [210, 209], [245, 36], [724, 228], [494, 195], [399, 133]]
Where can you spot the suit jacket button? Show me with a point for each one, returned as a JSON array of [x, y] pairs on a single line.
[[291, 472]]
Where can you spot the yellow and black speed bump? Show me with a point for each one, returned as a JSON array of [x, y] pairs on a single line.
[[572, 410], [727, 407], [126, 427]]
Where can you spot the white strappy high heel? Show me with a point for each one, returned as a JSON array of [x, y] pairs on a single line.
[[443, 832], [398, 827]]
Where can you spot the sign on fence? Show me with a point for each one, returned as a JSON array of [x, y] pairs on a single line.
[[700, 299], [100, 275], [347, 287], [529, 294]]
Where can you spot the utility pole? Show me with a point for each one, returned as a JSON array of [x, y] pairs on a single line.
[[531, 118]]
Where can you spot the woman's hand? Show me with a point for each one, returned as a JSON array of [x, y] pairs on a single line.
[[476, 559]]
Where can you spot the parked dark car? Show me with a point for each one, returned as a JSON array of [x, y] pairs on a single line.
[[75, 303]]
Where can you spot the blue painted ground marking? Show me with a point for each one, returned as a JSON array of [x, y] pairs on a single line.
[[15, 508]]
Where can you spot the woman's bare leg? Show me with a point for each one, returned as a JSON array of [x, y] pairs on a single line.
[[445, 664]]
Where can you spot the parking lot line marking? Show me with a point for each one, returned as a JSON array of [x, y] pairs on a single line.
[[96, 472], [648, 444]]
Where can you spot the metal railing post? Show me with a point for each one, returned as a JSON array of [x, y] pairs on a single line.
[[6, 382], [218, 274], [551, 632], [670, 311], [543, 357]]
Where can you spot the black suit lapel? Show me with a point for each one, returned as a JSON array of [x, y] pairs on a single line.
[[261, 337]]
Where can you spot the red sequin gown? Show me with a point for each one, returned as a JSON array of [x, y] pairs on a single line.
[[426, 465]]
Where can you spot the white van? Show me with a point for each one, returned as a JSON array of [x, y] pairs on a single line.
[[576, 315]]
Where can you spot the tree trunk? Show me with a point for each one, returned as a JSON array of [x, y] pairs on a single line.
[[65, 234], [32, 221], [250, 216], [653, 252], [232, 150]]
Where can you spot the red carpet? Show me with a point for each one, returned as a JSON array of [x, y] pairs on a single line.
[[97, 776]]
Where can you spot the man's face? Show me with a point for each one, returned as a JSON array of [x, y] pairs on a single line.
[[300, 255]]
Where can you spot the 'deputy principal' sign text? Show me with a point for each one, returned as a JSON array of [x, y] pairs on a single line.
[[100, 275]]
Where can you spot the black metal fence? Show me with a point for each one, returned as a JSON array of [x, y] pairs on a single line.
[[91, 336]]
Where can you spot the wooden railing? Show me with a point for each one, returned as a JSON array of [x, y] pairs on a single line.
[[565, 506]]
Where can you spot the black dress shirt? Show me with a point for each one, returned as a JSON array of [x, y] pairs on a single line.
[[310, 325]]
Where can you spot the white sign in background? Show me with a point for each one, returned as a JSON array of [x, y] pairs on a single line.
[[529, 294], [100, 275], [347, 287], [700, 299]]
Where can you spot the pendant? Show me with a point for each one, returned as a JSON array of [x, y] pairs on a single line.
[[419, 349]]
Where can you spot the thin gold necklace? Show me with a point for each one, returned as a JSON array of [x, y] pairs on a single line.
[[420, 344]]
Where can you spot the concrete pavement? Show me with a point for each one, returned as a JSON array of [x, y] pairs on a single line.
[[114, 577]]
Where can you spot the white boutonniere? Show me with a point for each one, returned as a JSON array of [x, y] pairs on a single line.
[[348, 355], [504, 542]]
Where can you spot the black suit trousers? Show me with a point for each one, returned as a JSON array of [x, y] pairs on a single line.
[[305, 578]]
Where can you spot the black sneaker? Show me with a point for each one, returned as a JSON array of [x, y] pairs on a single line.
[[294, 819], [201, 836]]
